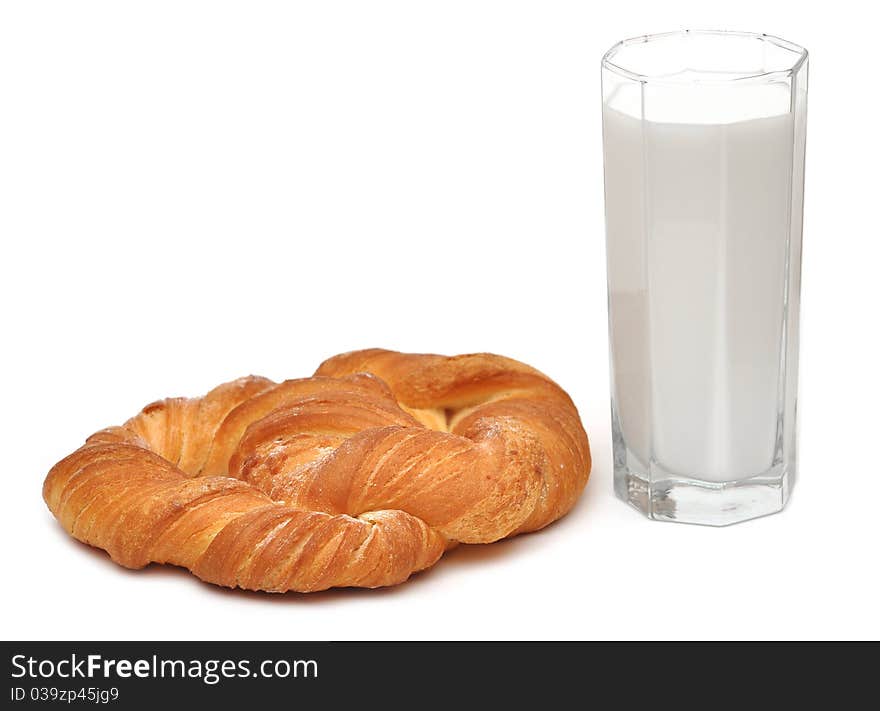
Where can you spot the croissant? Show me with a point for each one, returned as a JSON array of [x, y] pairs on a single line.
[[358, 476]]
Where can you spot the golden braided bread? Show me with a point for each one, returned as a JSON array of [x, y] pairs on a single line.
[[358, 476]]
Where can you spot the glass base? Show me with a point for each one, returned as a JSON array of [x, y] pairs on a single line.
[[667, 497]]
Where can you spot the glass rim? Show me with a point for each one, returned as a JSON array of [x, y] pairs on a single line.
[[802, 56]]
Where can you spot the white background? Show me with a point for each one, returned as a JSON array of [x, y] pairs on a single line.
[[190, 192]]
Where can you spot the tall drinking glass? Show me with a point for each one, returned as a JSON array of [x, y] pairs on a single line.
[[704, 137]]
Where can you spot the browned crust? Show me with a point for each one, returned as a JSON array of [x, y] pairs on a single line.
[[358, 476]]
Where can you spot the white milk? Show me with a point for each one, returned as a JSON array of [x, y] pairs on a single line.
[[697, 218]]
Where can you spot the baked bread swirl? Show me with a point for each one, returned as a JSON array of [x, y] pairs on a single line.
[[358, 476]]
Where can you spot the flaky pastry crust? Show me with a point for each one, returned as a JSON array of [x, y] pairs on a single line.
[[358, 476]]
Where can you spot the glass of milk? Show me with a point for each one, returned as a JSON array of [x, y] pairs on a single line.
[[704, 137]]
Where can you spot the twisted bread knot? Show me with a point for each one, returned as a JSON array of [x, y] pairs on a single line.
[[358, 476]]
